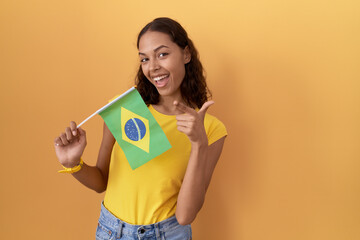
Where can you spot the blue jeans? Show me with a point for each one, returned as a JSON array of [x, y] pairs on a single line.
[[110, 227]]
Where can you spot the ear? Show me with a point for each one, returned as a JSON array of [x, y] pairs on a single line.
[[187, 55]]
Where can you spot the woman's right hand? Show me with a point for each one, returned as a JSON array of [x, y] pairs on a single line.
[[70, 145]]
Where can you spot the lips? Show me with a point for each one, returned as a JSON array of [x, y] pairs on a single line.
[[161, 80]]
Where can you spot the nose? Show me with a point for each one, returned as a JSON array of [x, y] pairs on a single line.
[[154, 65]]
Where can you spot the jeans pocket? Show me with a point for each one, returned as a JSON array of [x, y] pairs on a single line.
[[103, 233], [179, 233]]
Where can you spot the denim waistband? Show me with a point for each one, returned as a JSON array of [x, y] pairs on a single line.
[[136, 231]]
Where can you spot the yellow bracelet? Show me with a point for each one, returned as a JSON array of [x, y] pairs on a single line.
[[73, 169]]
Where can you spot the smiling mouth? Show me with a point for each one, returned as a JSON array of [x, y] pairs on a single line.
[[161, 81]]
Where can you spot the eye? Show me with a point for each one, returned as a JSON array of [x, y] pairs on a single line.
[[163, 54], [144, 60]]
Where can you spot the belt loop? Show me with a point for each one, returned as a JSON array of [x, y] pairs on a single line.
[[119, 232], [157, 231]]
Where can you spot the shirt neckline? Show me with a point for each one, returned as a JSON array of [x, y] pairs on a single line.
[[162, 114]]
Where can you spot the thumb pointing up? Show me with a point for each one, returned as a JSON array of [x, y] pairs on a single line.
[[205, 107]]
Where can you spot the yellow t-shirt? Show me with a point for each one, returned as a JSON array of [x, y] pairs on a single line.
[[149, 193]]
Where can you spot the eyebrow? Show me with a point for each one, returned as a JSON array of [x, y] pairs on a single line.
[[156, 49]]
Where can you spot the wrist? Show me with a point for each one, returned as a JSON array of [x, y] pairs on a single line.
[[201, 144], [71, 163], [71, 168]]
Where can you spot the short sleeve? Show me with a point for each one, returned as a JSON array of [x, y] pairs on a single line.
[[214, 128]]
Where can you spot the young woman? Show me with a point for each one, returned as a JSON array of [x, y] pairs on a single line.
[[160, 199]]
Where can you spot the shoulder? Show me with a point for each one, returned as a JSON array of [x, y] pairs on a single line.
[[211, 120], [113, 98], [215, 129]]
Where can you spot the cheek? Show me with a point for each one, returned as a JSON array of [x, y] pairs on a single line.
[[176, 67], [143, 69], [180, 72]]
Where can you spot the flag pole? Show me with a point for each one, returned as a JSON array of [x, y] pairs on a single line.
[[106, 106]]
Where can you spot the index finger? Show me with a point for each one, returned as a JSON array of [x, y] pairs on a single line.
[[182, 107]]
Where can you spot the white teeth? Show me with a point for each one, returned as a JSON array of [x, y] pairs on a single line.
[[159, 78]]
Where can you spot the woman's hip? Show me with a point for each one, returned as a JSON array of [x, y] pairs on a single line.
[[110, 227]]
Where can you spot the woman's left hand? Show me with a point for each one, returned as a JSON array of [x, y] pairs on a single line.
[[192, 122]]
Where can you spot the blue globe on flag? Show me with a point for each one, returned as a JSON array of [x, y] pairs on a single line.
[[135, 129]]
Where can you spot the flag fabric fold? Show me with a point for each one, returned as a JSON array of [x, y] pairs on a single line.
[[135, 129]]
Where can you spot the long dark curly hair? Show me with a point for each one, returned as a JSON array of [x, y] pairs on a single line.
[[194, 90]]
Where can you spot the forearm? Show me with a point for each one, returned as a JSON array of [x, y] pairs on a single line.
[[91, 177], [202, 161], [192, 193]]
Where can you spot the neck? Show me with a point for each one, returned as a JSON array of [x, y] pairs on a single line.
[[166, 105]]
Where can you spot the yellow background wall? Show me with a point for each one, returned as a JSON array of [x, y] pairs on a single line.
[[285, 77]]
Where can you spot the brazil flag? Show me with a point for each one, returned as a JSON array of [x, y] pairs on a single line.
[[135, 129]]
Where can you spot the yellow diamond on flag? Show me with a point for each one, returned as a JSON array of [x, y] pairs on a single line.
[[130, 122], [135, 129]]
